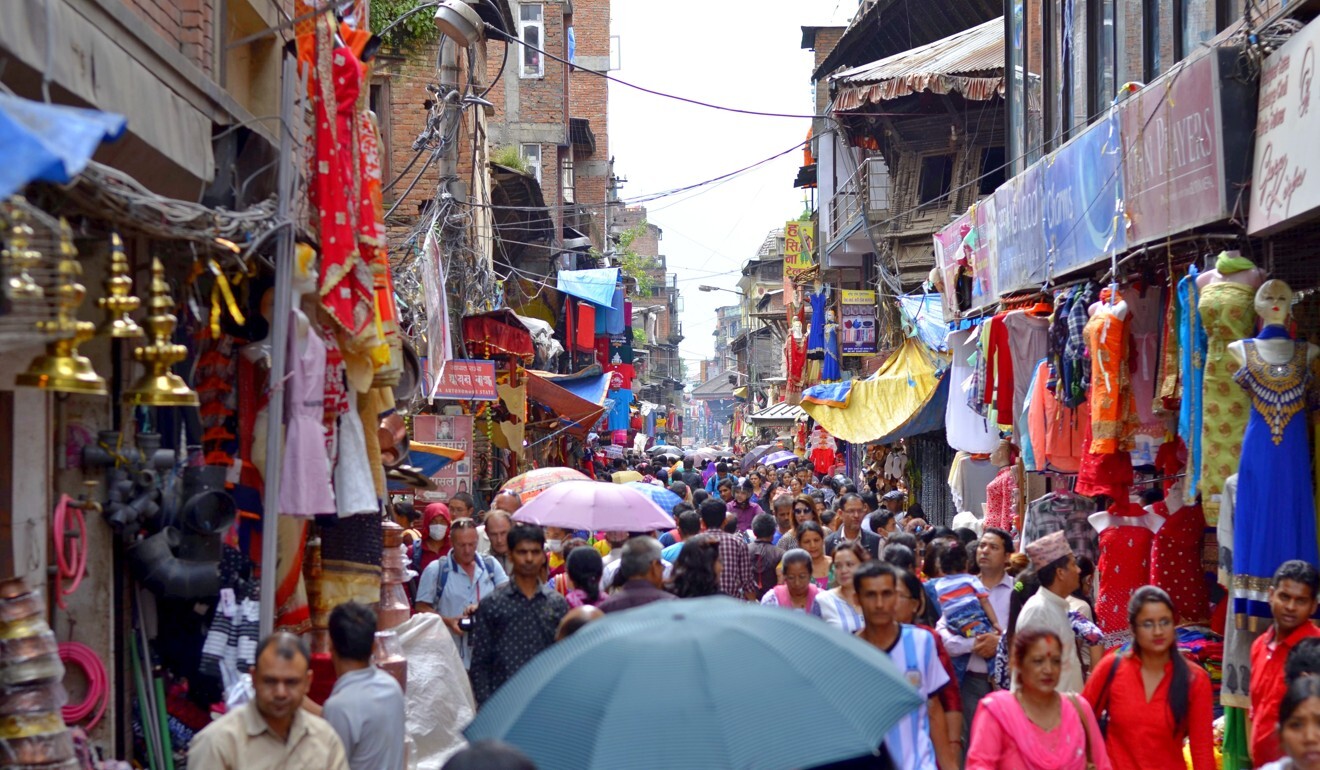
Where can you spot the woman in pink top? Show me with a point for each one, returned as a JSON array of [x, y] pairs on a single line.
[[1033, 727]]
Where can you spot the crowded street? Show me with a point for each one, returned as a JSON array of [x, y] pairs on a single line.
[[603, 384]]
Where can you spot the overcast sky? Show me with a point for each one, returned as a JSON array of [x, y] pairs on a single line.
[[736, 53]]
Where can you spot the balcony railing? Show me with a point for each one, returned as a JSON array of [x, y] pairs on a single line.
[[865, 192]]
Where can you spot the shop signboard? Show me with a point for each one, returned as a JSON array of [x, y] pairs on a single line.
[[1287, 124], [1083, 187], [984, 253], [1019, 238], [799, 248], [466, 380], [1173, 152], [857, 322], [455, 432]]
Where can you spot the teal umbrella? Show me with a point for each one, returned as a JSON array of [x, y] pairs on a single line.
[[697, 683]]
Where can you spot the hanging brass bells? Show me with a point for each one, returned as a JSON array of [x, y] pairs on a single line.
[[160, 386], [61, 368], [119, 302], [21, 257]]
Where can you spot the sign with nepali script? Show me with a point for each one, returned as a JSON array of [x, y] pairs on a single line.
[[453, 431], [799, 248], [466, 380], [1287, 125]]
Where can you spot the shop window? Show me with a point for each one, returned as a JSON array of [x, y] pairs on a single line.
[[532, 154], [531, 30], [1195, 25], [379, 101], [993, 170], [936, 179]]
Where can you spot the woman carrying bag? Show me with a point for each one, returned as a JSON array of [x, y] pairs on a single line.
[[1151, 699]]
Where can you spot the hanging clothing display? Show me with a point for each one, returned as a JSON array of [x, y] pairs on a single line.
[[305, 472], [1144, 343], [1192, 346], [1067, 512], [1075, 378], [1175, 562], [1227, 315], [1113, 419], [822, 451], [1275, 507], [1168, 389], [1110, 475], [1124, 567], [1237, 640], [965, 430], [829, 371], [816, 332], [1001, 500], [795, 360], [969, 477]]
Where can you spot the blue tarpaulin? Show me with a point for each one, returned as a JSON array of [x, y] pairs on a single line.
[[924, 317], [595, 286], [591, 388], [48, 142]]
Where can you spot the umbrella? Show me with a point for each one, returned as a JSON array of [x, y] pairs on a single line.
[[781, 458], [752, 457], [705, 455], [664, 449], [672, 454], [427, 460], [662, 497], [709, 696], [723, 454], [532, 483], [623, 477], [595, 506]]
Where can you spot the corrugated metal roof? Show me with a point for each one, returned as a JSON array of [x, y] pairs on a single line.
[[780, 413], [970, 62]]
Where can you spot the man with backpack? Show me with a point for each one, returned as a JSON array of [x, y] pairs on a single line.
[[454, 585], [765, 554]]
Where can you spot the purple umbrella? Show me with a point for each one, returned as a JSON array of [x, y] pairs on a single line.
[[594, 506], [781, 458]]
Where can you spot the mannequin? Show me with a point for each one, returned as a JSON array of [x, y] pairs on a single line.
[[1119, 307], [1273, 305], [1275, 505], [1113, 415], [1232, 267], [1226, 297], [830, 371], [795, 355], [1127, 535]]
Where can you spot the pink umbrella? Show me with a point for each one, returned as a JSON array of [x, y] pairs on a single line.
[[594, 506]]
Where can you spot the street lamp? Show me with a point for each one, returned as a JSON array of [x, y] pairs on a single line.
[[717, 288]]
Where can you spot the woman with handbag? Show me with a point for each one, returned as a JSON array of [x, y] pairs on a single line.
[[1150, 700], [1033, 727]]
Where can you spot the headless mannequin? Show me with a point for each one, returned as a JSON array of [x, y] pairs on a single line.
[[1117, 305], [1104, 520], [1274, 306], [1253, 277]]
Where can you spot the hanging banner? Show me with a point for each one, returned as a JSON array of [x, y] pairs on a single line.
[[455, 432], [1019, 238], [857, 323], [466, 380], [799, 248]]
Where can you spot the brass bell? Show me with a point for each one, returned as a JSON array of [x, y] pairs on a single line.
[[20, 256], [160, 386], [119, 302], [61, 368]]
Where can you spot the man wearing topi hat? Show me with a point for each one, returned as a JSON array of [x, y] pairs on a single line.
[[1055, 567]]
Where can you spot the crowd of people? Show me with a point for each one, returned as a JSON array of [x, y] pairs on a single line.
[[999, 641]]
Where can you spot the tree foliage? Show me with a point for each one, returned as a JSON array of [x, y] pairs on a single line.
[[633, 265], [418, 29]]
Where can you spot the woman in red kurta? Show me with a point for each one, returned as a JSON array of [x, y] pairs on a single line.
[[1155, 698]]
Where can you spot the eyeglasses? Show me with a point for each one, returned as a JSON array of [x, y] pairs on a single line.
[[1163, 624], [803, 509], [463, 523]]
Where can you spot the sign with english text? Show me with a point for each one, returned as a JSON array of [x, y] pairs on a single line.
[[1285, 186]]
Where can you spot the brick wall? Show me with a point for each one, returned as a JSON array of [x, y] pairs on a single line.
[[589, 98], [187, 26], [826, 39]]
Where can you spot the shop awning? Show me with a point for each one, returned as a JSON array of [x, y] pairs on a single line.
[[895, 402], [778, 414], [575, 413], [495, 334], [49, 142], [923, 316], [595, 286]]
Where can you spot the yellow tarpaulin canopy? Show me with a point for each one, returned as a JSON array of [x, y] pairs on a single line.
[[884, 403]]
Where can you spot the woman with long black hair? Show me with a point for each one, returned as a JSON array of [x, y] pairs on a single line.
[[1150, 700]]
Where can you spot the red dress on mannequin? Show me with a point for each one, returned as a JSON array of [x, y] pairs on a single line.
[[1175, 562], [1124, 567]]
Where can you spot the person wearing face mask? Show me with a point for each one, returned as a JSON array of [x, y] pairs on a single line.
[[435, 523]]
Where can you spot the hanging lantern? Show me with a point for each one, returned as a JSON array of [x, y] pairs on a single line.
[[160, 386], [61, 368], [19, 257], [119, 302]]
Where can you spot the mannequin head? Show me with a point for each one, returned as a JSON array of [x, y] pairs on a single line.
[[797, 329], [1274, 302]]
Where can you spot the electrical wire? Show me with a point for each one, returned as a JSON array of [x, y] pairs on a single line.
[[490, 27]]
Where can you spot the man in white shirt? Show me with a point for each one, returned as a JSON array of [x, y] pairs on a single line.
[[1056, 569], [992, 552], [913, 651]]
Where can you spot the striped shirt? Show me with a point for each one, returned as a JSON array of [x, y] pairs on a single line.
[[908, 741]]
